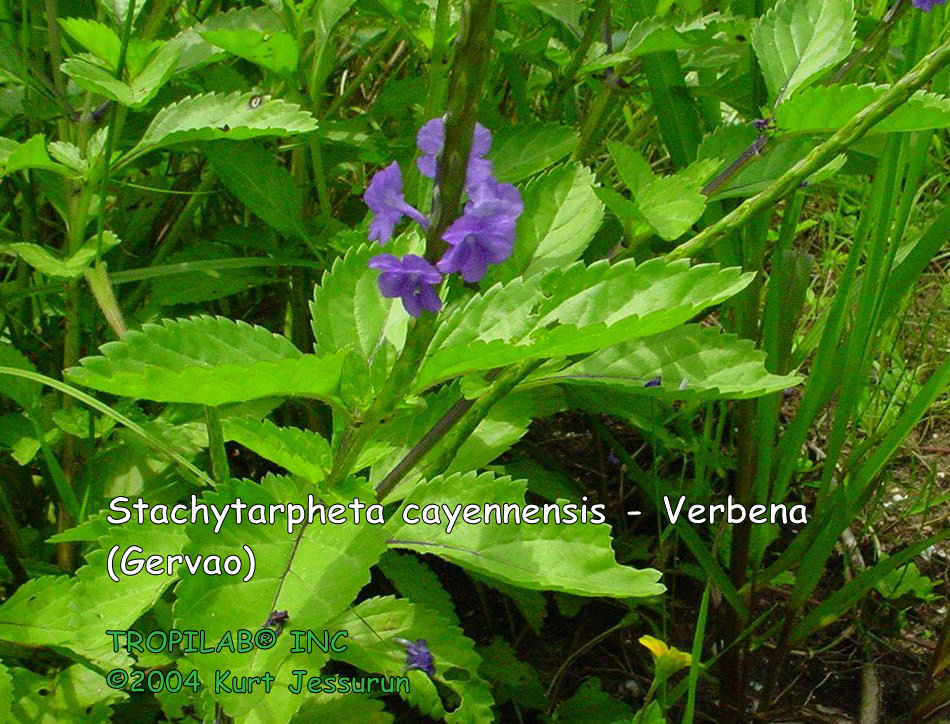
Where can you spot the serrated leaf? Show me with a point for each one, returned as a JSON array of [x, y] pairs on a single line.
[[43, 700], [276, 51], [825, 109], [208, 361], [96, 37], [73, 267], [526, 149], [672, 204], [71, 614], [139, 91], [574, 311], [798, 40], [300, 452], [658, 35], [197, 51], [313, 574], [348, 311], [562, 214], [214, 116], [414, 580], [698, 358], [377, 622], [575, 558], [31, 153], [633, 168]]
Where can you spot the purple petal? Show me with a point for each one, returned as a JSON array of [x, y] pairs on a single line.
[[394, 284], [385, 262], [431, 136], [428, 298], [411, 263], [412, 304], [927, 5], [384, 196], [410, 278], [481, 141]]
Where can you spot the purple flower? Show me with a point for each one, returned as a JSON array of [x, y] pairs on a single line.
[[431, 140], [655, 382], [412, 278], [927, 5], [386, 199], [485, 233], [418, 656]]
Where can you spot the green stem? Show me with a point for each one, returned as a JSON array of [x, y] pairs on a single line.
[[594, 24], [457, 434], [219, 457], [435, 95], [844, 137], [404, 370], [465, 89]]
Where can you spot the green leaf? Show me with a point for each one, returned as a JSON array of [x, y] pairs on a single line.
[[658, 35], [727, 142], [214, 116], [196, 51], [798, 40], [825, 109], [669, 204], [313, 574], [253, 175], [699, 358], [327, 14], [414, 580], [6, 689], [375, 623], [672, 204], [591, 702], [42, 700], [573, 558], [562, 214], [512, 678], [202, 273], [71, 615], [96, 37], [567, 12], [348, 310], [342, 707], [633, 168], [276, 51], [71, 268], [23, 392], [207, 361], [574, 311], [523, 150], [31, 153], [300, 452], [37, 614], [139, 91]]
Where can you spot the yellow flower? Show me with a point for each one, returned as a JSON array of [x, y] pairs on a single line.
[[668, 660]]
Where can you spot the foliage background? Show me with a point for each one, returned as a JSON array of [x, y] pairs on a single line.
[[768, 182]]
